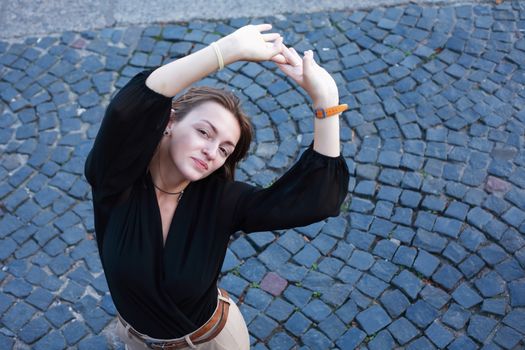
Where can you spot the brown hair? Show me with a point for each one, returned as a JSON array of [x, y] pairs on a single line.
[[197, 95]]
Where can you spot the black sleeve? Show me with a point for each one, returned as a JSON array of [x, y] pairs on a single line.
[[312, 190], [129, 133]]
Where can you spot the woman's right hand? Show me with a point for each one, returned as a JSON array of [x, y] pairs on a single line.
[[309, 75], [250, 44]]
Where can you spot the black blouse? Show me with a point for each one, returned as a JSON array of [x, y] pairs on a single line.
[[167, 291]]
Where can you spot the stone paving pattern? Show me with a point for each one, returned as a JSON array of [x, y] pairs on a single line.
[[428, 251]]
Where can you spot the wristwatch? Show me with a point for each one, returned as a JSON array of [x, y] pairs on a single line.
[[322, 113]]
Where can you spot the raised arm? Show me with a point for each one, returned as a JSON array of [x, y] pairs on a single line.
[[322, 89], [245, 44]]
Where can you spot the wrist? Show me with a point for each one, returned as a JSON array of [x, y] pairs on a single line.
[[325, 102], [228, 49]]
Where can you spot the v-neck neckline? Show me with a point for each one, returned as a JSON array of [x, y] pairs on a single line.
[[160, 234]]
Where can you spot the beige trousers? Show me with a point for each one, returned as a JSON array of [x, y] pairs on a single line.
[[234, 335]]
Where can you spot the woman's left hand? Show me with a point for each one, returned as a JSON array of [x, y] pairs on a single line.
[[314, 79], [249, 43]]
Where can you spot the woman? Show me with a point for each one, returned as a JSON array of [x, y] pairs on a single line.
[[165, 202]]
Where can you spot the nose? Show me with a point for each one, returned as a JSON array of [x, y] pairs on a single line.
[[210, 151]]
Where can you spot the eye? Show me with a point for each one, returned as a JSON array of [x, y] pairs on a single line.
[[203, 132], [224, 151]]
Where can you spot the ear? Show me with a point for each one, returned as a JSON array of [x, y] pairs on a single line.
[[171, 120], [172, 115]]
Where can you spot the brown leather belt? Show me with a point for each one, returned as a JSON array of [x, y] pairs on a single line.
[[202, 335]]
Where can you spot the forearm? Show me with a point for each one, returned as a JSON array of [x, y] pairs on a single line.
[[322, 89], [326, 131], [174, 77]]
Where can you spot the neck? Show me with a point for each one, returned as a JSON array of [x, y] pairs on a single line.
[[166, 178]]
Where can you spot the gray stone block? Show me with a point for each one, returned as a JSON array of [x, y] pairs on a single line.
[[402, 330], [466, 296], [373, 319]]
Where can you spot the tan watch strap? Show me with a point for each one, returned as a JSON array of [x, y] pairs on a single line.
[[322, 113]]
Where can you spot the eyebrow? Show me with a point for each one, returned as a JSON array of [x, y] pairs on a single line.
[[215, 131]]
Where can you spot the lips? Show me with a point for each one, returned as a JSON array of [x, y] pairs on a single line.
[[201, 164]]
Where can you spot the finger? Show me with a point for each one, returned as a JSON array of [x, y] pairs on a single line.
[[314, 62], [290, 57], [279, 58], [263, 27], [276, 44], [289, 71], [285, 68], [270, 36], [277, 47], [308, 61], [295, 54]]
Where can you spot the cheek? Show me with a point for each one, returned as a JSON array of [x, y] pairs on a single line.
[[178, 150], [216, 165], [182, 142]]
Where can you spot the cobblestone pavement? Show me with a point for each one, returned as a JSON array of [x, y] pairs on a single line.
[[428, 251]]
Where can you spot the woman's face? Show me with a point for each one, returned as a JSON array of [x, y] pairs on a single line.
[[201, 142]]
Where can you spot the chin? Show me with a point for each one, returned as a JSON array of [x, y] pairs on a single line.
[[193, 175]]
